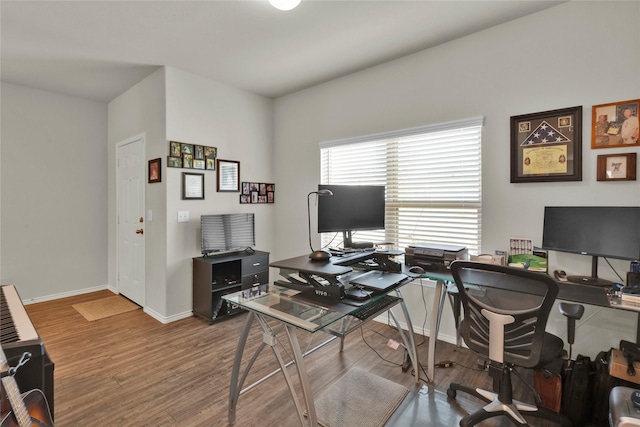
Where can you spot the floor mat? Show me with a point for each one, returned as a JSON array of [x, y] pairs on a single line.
[[105, 307]]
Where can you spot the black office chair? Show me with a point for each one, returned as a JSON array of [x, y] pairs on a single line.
[[505, 315]]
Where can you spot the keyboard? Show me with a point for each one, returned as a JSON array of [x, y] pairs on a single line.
[[372, 309]]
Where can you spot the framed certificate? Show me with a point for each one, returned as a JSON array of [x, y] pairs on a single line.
[[192, 186], [228, 175]]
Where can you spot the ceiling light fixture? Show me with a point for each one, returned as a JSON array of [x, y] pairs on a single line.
[[284, 4]]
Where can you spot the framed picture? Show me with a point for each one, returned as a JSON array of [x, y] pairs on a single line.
[[198, 152], [174, 162], [175, 149], [210, 153], [191, 156], [257, 192], [617, 167], [615, 124], [155, 170], [192, 186], [547, 146], [228, 175], [187, 161]]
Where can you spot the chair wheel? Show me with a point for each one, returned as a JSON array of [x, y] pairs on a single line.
[[451, 393]]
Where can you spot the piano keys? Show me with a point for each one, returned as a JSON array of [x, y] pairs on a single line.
[[18, 335]]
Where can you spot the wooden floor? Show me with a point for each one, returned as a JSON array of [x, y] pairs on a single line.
[[131, 370]]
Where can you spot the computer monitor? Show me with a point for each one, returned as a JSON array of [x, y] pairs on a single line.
[[351, 208], [227, 232], [598, 231]]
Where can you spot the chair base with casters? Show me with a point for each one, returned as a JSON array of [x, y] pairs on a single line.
[[502, 403]]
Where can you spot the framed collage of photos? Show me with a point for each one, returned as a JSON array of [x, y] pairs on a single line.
[[191, 156], [257, 192]]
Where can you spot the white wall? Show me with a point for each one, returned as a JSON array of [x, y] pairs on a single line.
[[578, 53], [240, 125], [54, 185], [141, 111]]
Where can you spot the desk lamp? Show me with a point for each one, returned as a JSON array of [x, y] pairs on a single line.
[[319, 255]]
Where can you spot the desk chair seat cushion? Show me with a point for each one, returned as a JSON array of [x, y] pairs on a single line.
[[551, 349]]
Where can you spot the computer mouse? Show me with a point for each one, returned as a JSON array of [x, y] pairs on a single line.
[[416, 269], [560, 275]]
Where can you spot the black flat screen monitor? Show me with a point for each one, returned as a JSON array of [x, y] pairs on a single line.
[[598, 231], [351, 208], [227, 232]]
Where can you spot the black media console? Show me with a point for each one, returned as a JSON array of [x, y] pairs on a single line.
[[218, 275]]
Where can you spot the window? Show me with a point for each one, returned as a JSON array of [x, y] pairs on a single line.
[[433, 180]]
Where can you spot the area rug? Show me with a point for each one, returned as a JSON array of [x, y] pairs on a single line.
[[357, 399], [104, 307]]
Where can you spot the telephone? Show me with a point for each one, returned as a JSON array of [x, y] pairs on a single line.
[[560, 275]]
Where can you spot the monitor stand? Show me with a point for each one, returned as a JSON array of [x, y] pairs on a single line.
[[592, 280], [588, 280], [347, 242]]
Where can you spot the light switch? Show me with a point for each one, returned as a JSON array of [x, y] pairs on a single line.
[[183, 216], [149, 215]]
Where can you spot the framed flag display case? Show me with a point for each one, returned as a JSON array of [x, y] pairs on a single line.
[[547, 146]]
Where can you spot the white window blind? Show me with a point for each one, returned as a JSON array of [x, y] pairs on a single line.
[[433, 179]]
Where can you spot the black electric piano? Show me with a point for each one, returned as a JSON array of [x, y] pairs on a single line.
[[17, 336]]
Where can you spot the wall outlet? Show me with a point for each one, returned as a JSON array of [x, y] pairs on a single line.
[[183, 216]]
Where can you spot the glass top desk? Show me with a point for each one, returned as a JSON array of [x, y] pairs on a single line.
[[268, 303]]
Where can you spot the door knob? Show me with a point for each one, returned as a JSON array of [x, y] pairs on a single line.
[[140, 231]]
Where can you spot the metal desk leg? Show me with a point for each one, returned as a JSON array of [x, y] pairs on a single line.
[[454, 300], [234, 391], [411, 345], [302, 375], [436, 314], [269, 338]]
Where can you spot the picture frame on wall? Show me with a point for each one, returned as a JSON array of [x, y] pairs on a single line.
[[175, 149], [192, 186], [198, 152], [155, 170], [547, 146], [191, 156], [228, 174], [257, 192], [617, 167], [615, 124], [174, 162]]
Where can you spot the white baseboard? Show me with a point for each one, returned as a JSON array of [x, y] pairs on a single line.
[[167, 319], [66, 294]]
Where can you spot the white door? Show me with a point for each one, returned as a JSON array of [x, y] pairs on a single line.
[[130, 173]]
